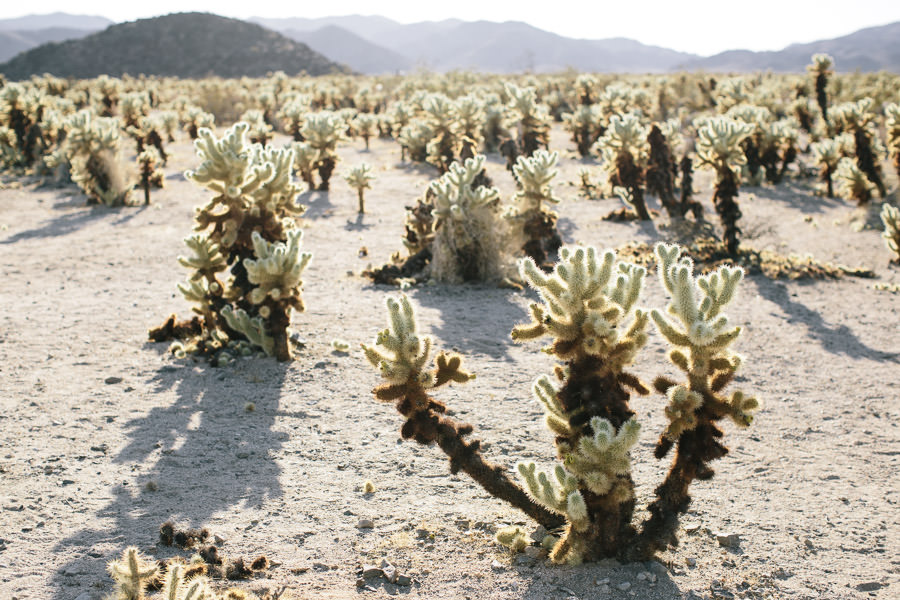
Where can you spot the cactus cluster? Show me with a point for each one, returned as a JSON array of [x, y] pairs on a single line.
[[248, 226], [589, 310]]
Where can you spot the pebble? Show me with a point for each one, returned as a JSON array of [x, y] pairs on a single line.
[[604, 581], [365, 524], [691, 562], [112, 380], [642, 576], [390, 573], [692, 527], [496, 565], [523, 560], [404, 580], [219, 539], [533, 552], [371, 571], [728, 540], [624, 586], [869, 586]]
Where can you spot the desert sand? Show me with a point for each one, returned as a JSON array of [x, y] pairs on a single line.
[[104, 436]]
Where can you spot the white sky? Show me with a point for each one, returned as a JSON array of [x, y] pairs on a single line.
[[700, 26]]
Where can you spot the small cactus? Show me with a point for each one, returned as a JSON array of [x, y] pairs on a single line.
[[360, 177]]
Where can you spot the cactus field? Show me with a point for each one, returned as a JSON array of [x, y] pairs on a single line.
[[284, 222]]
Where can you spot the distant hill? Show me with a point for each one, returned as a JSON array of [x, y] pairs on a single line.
[[487, 46], [870, 49], [14, 42], [348, 48], [55, 20], [181, 45]]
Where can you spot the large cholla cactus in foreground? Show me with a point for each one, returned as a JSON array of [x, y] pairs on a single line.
[[467, 245], [718, 148], [535, 223], [589, 311], [250, 228]]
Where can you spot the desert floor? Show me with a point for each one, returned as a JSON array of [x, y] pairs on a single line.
[[91, 413]]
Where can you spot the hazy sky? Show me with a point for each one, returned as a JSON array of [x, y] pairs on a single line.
[[700, 26]]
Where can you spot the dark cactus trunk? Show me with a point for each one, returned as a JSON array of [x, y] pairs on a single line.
[[865, 160], [660, 172], [725, 201]]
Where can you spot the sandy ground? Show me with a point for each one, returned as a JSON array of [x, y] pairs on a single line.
[[90, 412]]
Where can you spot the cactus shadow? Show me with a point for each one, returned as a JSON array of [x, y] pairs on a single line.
[[835, 339], [797, 196], [358, 224], [475, 318], [205, 453], [63, 224], [318, 204]]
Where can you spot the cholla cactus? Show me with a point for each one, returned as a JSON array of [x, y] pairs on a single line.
[[587, 303], [251, 229], [109, 88], [821, 68], [624, 149], [467, 240], [701, 336], [536, 224], [589, 311], [150, 176], [892, 133], [260, 132], [852, 182], [305, 162], [360, 177], [858, 119], [414, 140], [718, 148], [826, 154], [132, 573], [92, 148], [534, 120], [470, 119], [890, 217], [660, 172], [730, 93], [585, 127], [22, 138], [322, 131], [495, 128], [364, 125], [440, 114], [293, 115], [195, 119], [134, 106]]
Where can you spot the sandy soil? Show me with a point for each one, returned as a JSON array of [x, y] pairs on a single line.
[[90, 412]]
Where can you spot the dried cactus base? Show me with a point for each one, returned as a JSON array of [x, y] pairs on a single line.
[[709, 254]]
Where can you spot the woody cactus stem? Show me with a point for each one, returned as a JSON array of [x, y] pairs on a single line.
[[660, 172], [701, 336], [821, 67], [401, 356]]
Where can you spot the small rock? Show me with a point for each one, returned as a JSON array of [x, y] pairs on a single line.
[[651, 577], [372, 571], [112, 380], [869, 586], [691, 562], [692, 527], [390, 573], [218, 539], [624, 586], [604, 581], [604, 590], [360, 582], [642, 576], [523, 560], [404, 580], [422, 533], [365, 524], [808, 543], [534, 552], [728, 540], [496, 565], [539, 534]]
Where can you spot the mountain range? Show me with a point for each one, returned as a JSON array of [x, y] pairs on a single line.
[[374, 44]]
